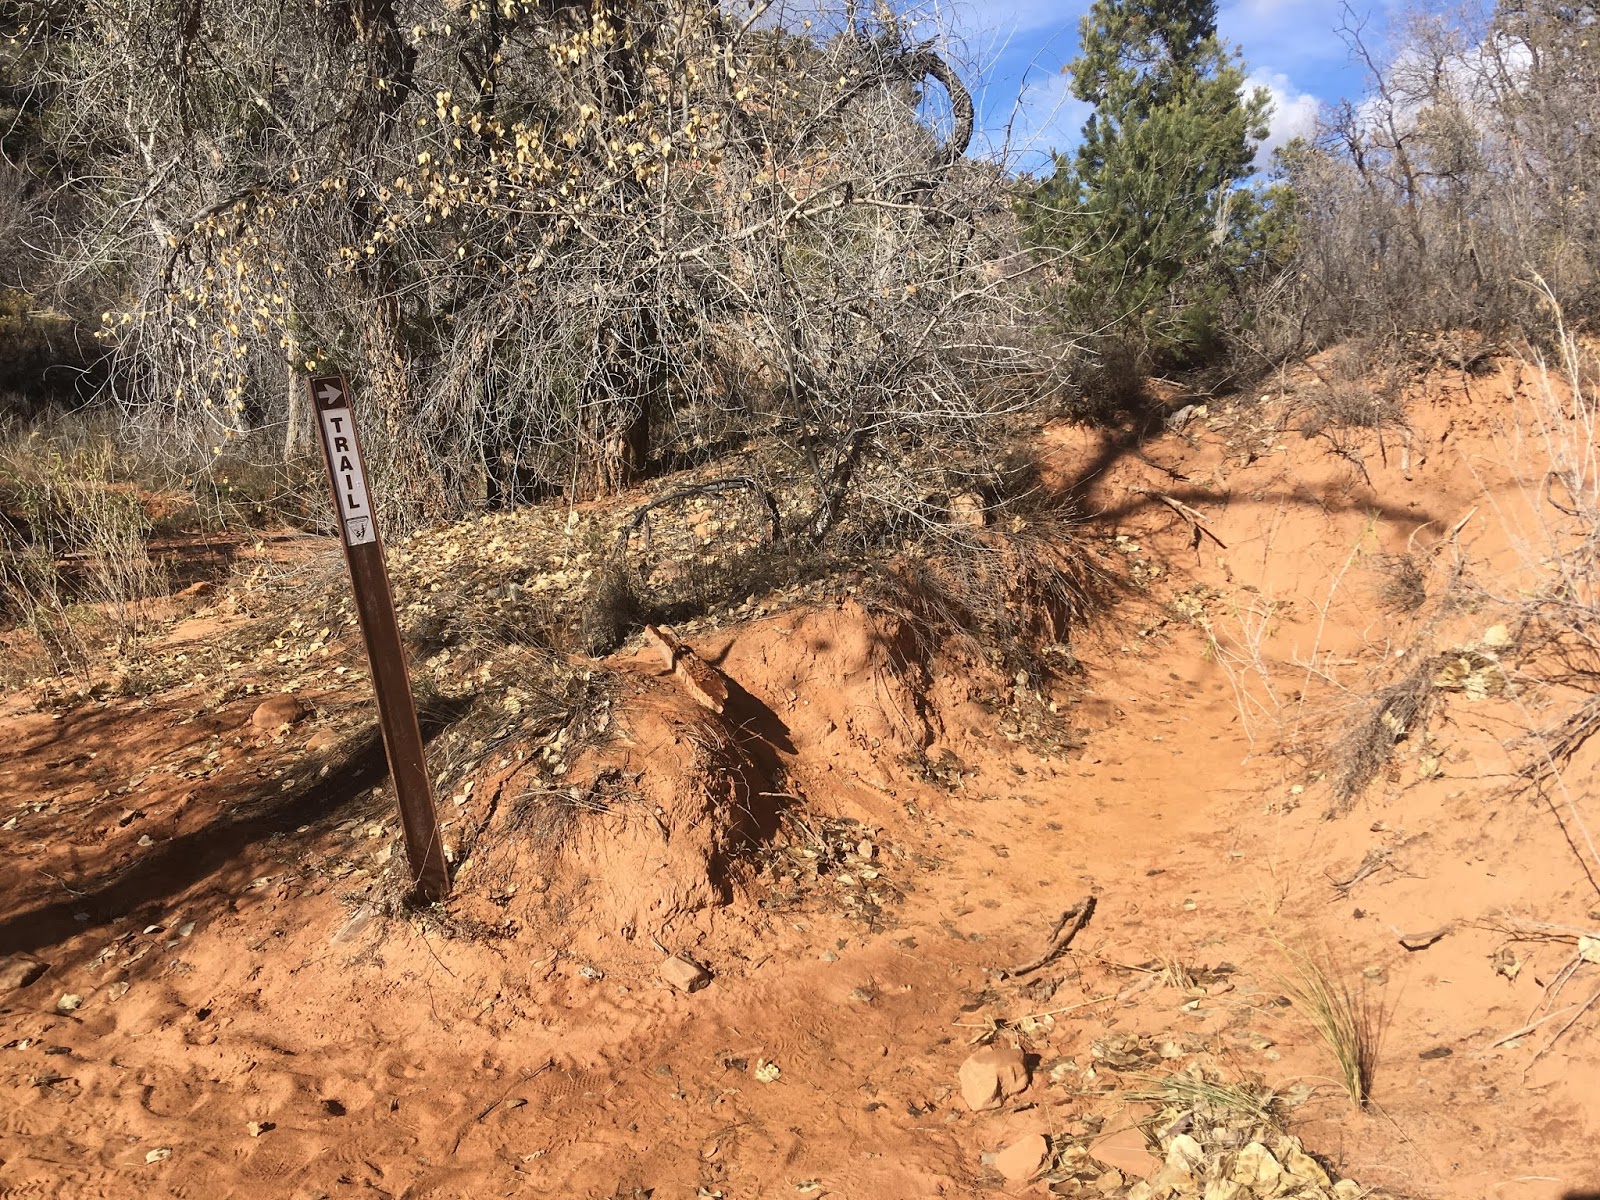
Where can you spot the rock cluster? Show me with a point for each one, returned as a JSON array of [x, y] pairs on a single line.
[[1208, 1139], [1254, 1171], [1227, 1142]]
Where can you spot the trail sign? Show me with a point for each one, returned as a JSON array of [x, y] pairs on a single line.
[[380, 631]]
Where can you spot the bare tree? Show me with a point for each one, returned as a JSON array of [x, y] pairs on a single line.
[[1464, 173], [539, 231]]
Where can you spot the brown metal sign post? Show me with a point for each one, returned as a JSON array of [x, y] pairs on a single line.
[[369, 580]]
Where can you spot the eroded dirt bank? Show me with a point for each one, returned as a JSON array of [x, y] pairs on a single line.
[[860, 848]]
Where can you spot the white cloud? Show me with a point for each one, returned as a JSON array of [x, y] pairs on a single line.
[[1294, 113]]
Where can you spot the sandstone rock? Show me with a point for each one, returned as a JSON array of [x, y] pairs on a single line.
[[992, 1076], [967, 508], [1126, 1151], [1169, 1180], [1348, 1189], [1185, 1154], [685, 975], [666, 644], [276, 712], [351, 929], [1173, 1181], [1022, 1159], [1421, 941], [18, 971], [1301, 1165], [700, 679], [1255, 1167]]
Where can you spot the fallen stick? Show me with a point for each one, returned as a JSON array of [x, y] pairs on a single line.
[[1545, 1049], [1197, 519], [1530, 1027], [524, 1077], [1079, 915]]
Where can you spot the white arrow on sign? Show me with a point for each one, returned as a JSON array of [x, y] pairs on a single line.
[[330, 393]]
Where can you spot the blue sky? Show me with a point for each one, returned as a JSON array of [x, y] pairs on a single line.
[[1019, 46]]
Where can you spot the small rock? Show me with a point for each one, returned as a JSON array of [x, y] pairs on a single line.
[[1301, 1165], [1170, 1179], [359, 920], [992, 1076], [1256, 1168], [1185, 1154], [1348, 1189], [257, 1128], [155, 1156], [1022, 1159], [685, 975], [69, 1002], [276, 712], [967, 508], [1436, 1053], [1421, 941], [18, 971]]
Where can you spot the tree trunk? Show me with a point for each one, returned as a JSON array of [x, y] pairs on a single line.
[[415, 490], [297, 434], [616, 405]]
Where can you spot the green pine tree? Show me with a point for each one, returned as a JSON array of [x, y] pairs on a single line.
[[1150, 202]]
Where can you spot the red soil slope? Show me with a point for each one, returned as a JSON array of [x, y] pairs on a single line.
[[242, 1026]]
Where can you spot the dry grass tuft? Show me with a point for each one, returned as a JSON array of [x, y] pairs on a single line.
[[1348, 1016], [1211, 1101], [1359, 387], [74, 568], [1403, 583], [1014, 591]]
